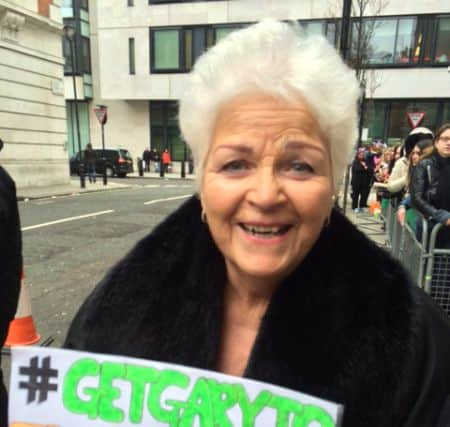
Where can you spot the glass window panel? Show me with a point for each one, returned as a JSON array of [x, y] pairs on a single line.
[[223, 32], [405, 40], [156, 114], [167, 49], [131, 56], [86, 55], [331, 29], [84, 29], [66, 9], [172, 113], [209, 37], [446, 113], [175, 143], [187, 49], [67, 56], [199, 42], [381, 40], [157, 138], [313, 28], [374, 119], [443, 40]]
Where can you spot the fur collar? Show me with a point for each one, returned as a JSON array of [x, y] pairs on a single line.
[[340, 327]]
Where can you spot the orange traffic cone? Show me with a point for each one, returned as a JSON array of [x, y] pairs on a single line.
[[22, 330]]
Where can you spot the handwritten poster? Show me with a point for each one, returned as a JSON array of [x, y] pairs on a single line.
[[63, 388]]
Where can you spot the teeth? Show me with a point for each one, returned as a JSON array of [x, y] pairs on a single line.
[[264, 231]]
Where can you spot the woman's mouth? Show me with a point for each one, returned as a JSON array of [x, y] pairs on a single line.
[[265, 231]]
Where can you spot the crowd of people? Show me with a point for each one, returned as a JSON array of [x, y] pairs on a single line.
[[415, 174]]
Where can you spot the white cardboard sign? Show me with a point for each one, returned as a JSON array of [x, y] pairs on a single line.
[[64, 388]]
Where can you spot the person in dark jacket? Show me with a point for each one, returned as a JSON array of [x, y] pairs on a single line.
[[10, 267], [360, 182], [257, 275], [91, 159], [146, 157], [430, 187]]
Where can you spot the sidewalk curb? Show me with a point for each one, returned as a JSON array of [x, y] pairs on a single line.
[[21, 198]]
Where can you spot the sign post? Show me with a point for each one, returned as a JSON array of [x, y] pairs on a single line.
[[102, 116], [415, 118]]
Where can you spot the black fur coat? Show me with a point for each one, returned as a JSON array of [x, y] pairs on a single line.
[[347, 325]]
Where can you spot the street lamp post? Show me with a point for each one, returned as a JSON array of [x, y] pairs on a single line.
[[69, 32]]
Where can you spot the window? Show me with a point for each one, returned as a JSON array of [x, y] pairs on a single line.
[[164, 131], [86, 55], [442, 53], [131, 56], [177, 49], [405, 40], [327, 29], [374, 119], [383, 41], [423, 45], [68, 66], [130, 2], [166, 50], [84, 4]]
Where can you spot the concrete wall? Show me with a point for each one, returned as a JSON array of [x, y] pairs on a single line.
[[411, 82], [128, 123], [32, 107]]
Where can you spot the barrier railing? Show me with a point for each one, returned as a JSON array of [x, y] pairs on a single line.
[[429, 266]]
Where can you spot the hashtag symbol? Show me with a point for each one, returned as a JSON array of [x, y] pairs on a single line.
[[38, 379]]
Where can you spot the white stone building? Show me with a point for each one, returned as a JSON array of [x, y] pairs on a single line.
[[142, 49], [32, 106]]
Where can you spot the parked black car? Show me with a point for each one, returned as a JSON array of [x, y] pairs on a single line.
[[118, 162]]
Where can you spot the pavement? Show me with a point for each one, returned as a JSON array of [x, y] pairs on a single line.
[[74, 188]]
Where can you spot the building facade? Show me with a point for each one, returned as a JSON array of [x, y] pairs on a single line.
[[142, 50], [32, 106]]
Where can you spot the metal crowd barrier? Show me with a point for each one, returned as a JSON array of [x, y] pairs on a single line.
[[437, 277], [412, 253], [429, 266]]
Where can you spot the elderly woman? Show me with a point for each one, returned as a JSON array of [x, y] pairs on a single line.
[[258, 276]]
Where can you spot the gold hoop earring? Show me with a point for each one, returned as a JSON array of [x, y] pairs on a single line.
[[203, 217]]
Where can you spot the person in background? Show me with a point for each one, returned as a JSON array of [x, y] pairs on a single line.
[[430, 187], [156, 159], [360, 181], [414, 158], [397, 154], [257, 275], [91, 159], [146, 157], [396, 184], [10, 267], [166, 160]]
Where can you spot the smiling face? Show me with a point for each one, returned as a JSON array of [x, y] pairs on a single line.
[[267, 186]]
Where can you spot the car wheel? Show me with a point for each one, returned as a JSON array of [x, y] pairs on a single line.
[[109, 172], [122, 175]]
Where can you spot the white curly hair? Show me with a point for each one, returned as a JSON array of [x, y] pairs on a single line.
[[276, 58]]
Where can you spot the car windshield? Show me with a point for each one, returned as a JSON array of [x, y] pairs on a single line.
[[125, 153]]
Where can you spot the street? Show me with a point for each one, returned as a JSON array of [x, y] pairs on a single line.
[[69, 243]]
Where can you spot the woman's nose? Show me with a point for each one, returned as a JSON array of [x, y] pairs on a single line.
[[266, 191]]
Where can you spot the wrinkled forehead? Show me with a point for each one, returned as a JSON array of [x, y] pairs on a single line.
[[268, 118]]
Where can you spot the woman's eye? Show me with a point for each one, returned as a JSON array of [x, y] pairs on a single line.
[[300, 167], [235, 166]]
